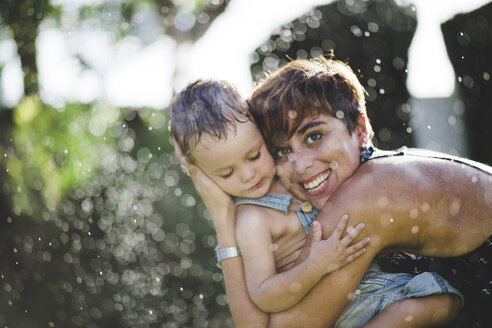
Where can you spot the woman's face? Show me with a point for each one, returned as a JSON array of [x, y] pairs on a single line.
[[319, 157]]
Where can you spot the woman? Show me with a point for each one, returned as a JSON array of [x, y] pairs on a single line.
[[312, 115]]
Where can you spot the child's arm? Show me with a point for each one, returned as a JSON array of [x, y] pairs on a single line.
[[272, 291], [429, 311]]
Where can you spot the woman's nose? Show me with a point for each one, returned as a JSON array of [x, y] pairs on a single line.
[[303, 161]]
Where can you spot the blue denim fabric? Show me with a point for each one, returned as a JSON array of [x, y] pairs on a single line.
[[281, 203], [379, 289]]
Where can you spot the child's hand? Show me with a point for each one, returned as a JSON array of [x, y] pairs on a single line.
[[333, 253], [214, 198]]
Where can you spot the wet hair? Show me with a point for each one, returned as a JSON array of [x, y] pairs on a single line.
[[307, 88], [206, 107]]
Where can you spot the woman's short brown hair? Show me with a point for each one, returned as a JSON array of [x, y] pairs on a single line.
[[307, 88]]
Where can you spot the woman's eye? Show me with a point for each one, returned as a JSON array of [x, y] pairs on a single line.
[[313, 137], [281, 153]]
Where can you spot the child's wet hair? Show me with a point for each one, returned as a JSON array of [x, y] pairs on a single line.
[[206, 107]]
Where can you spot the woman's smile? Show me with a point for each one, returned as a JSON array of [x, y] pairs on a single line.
[[317, 184]]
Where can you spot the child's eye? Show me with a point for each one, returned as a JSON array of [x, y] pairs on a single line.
[[227, 175], [313, 137], [256, 156]]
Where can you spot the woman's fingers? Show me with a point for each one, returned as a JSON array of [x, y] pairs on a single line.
[[202, 182], [179, 153]]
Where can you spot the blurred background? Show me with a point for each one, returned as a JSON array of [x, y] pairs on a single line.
[[98, 226]]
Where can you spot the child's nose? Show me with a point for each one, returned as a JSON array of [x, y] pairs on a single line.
[[248, 174]]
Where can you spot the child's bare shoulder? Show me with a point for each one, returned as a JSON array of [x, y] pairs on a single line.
[[251, 223], [252, 213], [252, 219]]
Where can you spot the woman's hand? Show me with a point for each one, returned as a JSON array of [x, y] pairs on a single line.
[[335, 252], [219, 204]]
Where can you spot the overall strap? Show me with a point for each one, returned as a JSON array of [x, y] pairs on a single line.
[[305, 211], [274, 201]]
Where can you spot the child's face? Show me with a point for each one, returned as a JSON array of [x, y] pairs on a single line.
[[240, 164]]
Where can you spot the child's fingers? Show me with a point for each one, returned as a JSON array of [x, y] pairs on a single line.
[[352, 234], [355, 256], [338, 231], [358, 246], [316, 227]]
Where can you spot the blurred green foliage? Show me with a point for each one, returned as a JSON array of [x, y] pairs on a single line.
[[55, 150], [120, 240], [98, 226]]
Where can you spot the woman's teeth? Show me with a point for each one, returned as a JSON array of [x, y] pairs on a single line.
[[318, 182]]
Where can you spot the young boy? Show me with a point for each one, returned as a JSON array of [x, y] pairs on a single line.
[[212, 127]]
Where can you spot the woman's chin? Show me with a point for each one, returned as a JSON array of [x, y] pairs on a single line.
[[319, 202]]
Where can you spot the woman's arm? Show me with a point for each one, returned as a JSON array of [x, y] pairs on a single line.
[[222, 210]]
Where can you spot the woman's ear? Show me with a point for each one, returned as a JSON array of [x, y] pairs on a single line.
[[361, 129]]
